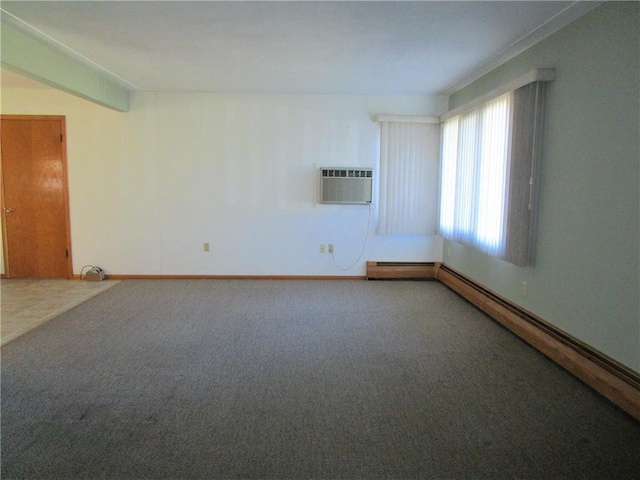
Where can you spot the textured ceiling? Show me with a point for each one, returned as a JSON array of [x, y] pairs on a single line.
[[296, 47]]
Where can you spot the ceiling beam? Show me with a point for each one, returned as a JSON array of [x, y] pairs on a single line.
[[31, 58]]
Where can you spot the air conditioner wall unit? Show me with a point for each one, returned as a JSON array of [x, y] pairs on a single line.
[[341, 185]]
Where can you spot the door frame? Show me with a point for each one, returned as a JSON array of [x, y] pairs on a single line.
[[65, 192]]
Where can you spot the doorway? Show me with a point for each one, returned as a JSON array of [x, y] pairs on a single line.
[[35, 197]]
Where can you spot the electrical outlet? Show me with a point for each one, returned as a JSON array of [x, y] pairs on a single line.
[[205, 246], [330, 248], [322, 248], [523, 289]]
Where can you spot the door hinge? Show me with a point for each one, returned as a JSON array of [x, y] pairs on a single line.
[[61, 138], [66, 253]]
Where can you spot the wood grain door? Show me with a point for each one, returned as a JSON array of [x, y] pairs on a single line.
[[37, 240]]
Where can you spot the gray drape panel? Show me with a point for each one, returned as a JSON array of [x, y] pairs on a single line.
[[526, 136]]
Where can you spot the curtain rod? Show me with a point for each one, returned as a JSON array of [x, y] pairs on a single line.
[[405, 119], [535, 75]]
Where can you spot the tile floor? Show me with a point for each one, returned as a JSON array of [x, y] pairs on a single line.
[[26, 303]]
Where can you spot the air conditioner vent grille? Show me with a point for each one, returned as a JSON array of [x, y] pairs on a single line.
[[342, 173], [346, 185]]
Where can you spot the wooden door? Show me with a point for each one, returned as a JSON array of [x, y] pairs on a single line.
[[37, 240]]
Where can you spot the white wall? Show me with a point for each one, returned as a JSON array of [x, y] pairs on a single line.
[[149, 187]]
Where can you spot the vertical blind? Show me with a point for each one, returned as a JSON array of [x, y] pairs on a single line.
[[409, 162], [488, 168]]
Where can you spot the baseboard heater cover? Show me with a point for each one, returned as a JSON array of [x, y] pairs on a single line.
[[610, 378], [402, 270]]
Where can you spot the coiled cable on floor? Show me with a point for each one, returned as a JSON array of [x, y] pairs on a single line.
[[91, 267]]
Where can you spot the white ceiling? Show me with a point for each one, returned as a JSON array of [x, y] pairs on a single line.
[[354, 47]]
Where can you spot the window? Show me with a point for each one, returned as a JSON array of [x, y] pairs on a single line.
[[488, 173], [409, 158]]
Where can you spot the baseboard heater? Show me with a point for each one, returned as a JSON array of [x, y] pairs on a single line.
[[619, 384], [402, 270]]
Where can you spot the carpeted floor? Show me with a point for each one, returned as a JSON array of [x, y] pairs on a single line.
[[212, 379]]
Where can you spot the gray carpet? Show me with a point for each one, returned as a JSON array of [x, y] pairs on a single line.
[[297, 379]]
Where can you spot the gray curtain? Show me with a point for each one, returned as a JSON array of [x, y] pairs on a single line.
[[526, 145]]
